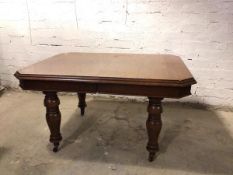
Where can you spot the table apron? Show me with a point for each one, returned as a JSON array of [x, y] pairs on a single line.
[[106, 88], [143, 90], [66, 86]]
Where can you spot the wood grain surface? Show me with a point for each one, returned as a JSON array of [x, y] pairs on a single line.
[[111, 68]]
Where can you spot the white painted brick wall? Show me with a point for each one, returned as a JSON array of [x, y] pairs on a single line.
[[200, 31]]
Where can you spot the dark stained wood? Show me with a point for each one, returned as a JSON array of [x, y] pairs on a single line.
[[53, 118], [120, 89], [82, 103], [46, 85], [140, 90], [154, 76], [153, 125]]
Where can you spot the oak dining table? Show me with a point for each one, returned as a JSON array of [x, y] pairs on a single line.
[[156, 76]]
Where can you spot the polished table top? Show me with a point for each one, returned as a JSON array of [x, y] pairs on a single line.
[[113, 68]]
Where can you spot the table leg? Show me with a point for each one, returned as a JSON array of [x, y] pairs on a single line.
[[53, 118], [82, 103], [153, 125]]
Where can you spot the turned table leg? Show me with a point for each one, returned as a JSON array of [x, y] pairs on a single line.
[[153, 125], [82, 103], [53, 118]]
